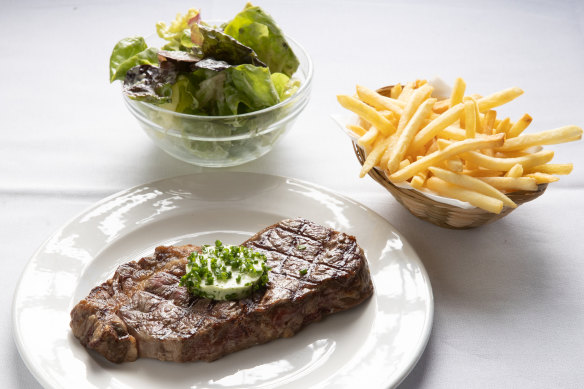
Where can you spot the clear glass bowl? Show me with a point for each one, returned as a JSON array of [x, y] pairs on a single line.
[[220, 141]]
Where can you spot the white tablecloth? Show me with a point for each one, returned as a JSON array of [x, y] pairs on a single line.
[[509, 297]]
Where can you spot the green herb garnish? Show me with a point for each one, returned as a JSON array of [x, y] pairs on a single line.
[[217, 272]]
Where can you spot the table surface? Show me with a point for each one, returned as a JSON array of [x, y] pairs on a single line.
[[509, 297]]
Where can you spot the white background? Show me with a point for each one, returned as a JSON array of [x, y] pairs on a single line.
[[509, 296]]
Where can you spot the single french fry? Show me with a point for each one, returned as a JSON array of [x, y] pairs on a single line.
[[433, 128], [515, 171], [392, 117], [368, 113], [378, 101], [395, 91], [542, 178], [489, 121], [374, 156], [385, 157], [518, 153], [511, 183], [369, 137], [442, 143], [364, 123], [419, 179], [489, 152], [407, 135], [407, 91], [483, 173], [388, 149], [389, 115], [357, 130], [457, 92], [549, 137], [503, 126], [455, 148], [551, 168], [505, 164], [404, 163], [455, 165], [479, 200], [452, 132], [478, 117], [470, 124], [472, 183], [441, 106], [499, 98], [412, 105], [520, 125], [433, 147], [468, 165]]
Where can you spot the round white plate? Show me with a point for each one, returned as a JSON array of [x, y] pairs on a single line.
[[374, 345]]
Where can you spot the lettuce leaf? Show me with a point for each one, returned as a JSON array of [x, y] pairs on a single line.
[[130, 52], [181, 60], [217, 45], [182, 96], [256, 29], [150, 83], [235, 90], [285, 86], [253, 89], [178, 33], [209, 93]]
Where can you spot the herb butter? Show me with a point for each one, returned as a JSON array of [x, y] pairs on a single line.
[[224, 272]]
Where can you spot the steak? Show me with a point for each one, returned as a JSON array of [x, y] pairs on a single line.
[[143, 312]]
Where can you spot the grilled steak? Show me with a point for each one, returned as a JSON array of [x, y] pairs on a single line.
[[143, 312]]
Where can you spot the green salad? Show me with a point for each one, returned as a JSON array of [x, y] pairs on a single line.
[[242, 66]]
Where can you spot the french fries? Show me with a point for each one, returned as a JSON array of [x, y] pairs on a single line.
[[477, 199], [368, 113], [407, 135], [456, 147], [378, 101], [549, 137], [451, 150], [511, 183], [457, 92], [520, 125], [499, 98], [472, 183], [470, 124]]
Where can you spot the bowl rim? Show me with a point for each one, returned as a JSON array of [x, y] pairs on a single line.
[[304, 86]]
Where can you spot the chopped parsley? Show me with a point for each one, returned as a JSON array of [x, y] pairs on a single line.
[[217, 272], [303, 271]]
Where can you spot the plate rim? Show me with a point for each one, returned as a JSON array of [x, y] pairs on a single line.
[[46, 383]]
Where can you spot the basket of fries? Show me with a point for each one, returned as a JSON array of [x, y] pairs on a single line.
[[450, 160]]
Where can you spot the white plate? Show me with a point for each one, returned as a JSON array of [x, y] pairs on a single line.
[[374, 345]]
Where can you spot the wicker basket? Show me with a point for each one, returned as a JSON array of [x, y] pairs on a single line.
[[441, 214]]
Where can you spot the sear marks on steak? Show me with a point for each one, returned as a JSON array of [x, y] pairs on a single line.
[[143, 312]]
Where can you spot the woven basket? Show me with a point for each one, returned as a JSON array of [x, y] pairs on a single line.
[[441, 214]]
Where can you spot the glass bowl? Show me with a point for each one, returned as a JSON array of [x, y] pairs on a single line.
[[220, 141]]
